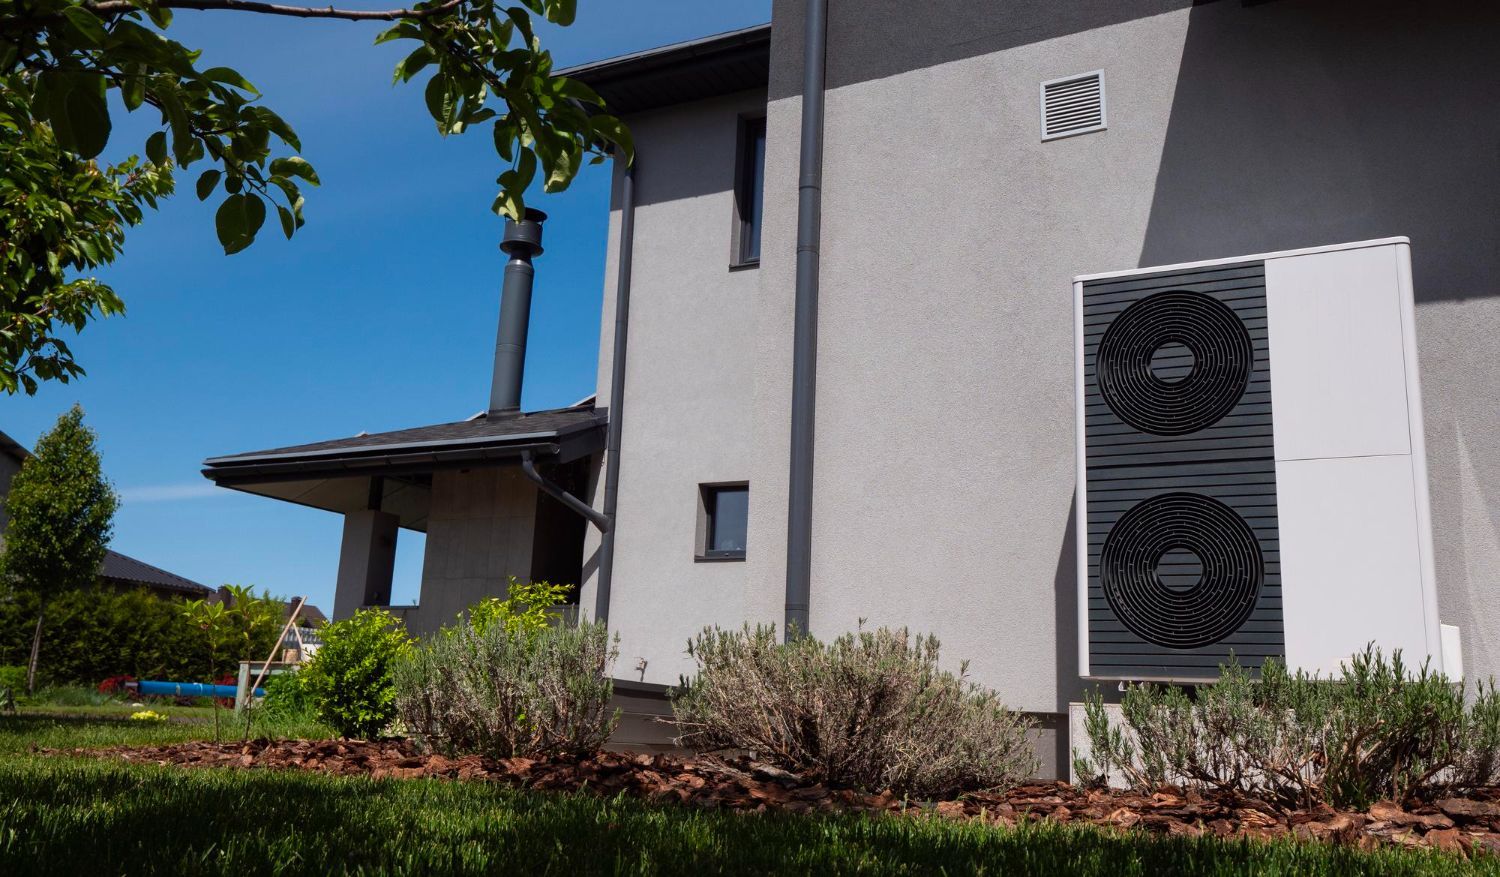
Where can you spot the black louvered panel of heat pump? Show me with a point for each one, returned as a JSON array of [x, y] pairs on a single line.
[[1181, 477]]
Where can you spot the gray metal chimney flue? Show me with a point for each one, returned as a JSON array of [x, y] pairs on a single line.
[[522, 241]]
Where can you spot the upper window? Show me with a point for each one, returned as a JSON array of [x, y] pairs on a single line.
[[749, 191], [724, 516]]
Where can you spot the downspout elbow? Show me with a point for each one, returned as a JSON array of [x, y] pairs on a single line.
[[594, 516]]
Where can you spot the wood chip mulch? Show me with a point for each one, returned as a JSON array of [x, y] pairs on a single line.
[[1463, 826]]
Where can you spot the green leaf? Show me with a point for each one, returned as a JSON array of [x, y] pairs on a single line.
[[505, 138], [295, 166], [612, 130], [562, 12], [238, 220], [278, 126], [177, 120], [522, 22], [572, 89], [565, 168], [160, 16], [288, 221], [408, 66], [86, 25], [403, 31], [207, 182], [78, 112], [525, 169], [508, 204], [156, 147], [229, 76], [440, 101], [133, 91]]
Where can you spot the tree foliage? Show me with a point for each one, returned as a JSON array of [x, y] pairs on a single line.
[[61, 512], [64, 215]]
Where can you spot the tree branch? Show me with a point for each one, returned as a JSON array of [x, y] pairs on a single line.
[[120, 7]]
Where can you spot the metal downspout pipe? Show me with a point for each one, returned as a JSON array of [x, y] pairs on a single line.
[[805, 332], [625, 251]]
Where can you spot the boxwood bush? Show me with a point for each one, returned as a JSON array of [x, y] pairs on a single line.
[[349, 679]]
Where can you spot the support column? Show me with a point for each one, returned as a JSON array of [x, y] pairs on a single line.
[[367, 561]]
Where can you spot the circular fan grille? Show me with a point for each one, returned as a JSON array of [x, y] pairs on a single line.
[[1217, 368], [1166, 613]]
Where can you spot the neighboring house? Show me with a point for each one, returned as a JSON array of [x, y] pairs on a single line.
[[12, 455], [127, 573], [938, 488], [118, 570]]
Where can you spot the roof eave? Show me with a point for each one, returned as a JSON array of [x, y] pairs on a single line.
[[419, 457]]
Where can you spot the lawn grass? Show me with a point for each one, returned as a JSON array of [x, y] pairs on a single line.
[[61, 815]]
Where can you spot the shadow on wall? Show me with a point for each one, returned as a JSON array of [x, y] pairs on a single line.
[[1303, 124]]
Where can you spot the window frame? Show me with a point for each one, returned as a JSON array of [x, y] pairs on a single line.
[[746, 175], [707, 511]]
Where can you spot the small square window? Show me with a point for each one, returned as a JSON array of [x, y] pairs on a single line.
[[749, 193], [723, 518]]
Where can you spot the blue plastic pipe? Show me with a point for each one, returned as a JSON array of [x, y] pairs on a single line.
[[190, 689]]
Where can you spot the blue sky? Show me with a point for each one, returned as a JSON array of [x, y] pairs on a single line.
[[379, 315]]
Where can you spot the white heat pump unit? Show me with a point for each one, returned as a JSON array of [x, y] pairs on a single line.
[[1252, 479]]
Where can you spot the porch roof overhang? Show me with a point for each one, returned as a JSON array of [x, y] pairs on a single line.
[[392, 470]]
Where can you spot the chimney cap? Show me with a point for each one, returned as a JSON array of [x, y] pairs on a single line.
[[524, 237]]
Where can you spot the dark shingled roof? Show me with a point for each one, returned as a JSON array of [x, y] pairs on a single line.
[[129, 571], [485, 437], [14, 448], [721, 64]]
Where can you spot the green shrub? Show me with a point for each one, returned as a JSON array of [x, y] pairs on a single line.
[[349, 677], [506, 690], [1377, 731], [526, 606], [13, 679], [71, 695], [287, 697], [870, 710], [94, 633]]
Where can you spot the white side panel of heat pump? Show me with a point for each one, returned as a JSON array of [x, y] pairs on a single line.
[[1351, 565], [1338, 369]]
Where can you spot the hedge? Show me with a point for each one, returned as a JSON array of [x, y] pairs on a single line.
[[95, 633]]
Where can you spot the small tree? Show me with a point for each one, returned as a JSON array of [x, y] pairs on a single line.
[[61, 518]]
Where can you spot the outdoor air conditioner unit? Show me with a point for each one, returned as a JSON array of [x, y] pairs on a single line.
[[1252, 479]]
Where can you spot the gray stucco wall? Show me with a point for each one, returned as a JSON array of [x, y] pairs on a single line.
[[944, 480], [944, 470], [693, 344], [479, 532]]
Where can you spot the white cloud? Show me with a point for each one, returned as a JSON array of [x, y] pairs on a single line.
[[169, 492]]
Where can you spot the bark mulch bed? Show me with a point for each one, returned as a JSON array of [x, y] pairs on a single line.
[[1464, 826]]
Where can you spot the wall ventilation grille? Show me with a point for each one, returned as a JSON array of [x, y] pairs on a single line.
[[1073, 105]]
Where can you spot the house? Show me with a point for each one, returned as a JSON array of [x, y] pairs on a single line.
[[838, 360]]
